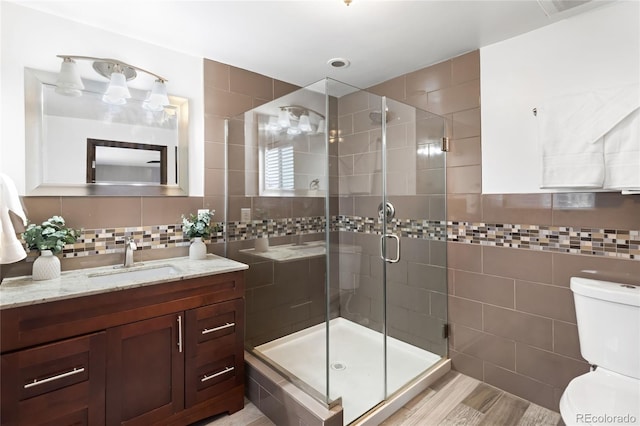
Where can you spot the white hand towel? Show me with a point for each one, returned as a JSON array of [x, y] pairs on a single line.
[[622, 154], [11, 249], [571, 131]]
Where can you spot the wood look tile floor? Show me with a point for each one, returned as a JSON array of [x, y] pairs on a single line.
[[455, 399]]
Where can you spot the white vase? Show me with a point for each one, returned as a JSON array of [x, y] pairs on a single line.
[[46, 266], [197, 249]]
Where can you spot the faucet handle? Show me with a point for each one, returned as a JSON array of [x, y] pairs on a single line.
[[131, 243]]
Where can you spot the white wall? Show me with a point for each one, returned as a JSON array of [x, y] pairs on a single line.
[[32, 39], [598, 49]]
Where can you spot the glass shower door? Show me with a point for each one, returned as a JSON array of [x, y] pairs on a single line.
[[413, 242], [356, 336], [388, 252]]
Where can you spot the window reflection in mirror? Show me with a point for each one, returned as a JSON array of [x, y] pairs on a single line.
[[290, 164], [283, 145]]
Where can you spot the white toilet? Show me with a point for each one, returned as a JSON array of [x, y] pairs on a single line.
[[609, 329]]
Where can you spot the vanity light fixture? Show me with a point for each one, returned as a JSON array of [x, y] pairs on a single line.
[[296, 119], [322, 126], [304, 124], [117, 93], [69, 82], [158, 97], [283, 119]]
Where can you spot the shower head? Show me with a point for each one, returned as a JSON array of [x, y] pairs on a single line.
[[376, 117]]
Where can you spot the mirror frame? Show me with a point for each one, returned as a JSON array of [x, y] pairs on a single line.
[[34, 82]]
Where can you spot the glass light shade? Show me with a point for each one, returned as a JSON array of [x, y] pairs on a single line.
[[117, 93], [113, 100], [283, 118], [273, 124], [157, 98], [304, 125], [69, 82], [322, 127], [294, 131]]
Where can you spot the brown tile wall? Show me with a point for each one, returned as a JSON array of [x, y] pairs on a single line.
[[110, 212], [511, 312], [522, 297], [281, 297]]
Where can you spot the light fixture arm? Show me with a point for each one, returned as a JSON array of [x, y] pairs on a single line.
[[114, 62], [298, 110]]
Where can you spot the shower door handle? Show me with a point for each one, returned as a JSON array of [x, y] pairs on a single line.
[[383, 255]]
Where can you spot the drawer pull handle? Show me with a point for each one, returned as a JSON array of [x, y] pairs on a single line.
[[180, 333], [222, 327], [37, 382], [219, 373]]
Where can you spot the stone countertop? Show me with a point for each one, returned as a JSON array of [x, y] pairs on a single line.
[[291, 252], [23, 291]]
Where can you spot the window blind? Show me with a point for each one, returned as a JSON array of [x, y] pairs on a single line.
[[279, 168]]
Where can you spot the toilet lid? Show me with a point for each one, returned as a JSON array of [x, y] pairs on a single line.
[[602, 397]]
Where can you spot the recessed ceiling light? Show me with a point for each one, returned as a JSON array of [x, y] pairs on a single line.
[[339, 63]]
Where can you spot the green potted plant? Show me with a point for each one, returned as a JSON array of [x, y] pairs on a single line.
[[196, 227], [49, 238]]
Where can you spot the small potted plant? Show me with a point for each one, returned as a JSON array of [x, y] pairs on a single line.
[[196, 227], [49, 238]]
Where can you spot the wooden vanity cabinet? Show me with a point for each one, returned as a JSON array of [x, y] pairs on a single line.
[[169, 354]]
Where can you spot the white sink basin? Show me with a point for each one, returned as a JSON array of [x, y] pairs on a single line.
[[132, 274]]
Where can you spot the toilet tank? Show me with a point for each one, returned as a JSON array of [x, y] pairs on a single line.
[[608, 316]]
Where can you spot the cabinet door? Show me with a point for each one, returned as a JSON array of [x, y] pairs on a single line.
[[60, 383], [214, 350], [145, 364]]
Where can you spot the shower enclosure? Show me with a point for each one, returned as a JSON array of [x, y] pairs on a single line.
[[336, 200]]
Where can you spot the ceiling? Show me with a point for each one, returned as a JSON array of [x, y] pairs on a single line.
[[293, 40]]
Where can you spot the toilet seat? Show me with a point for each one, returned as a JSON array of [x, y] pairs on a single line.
[[601, 397]]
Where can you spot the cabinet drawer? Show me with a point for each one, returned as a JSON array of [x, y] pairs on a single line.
[[215, 321], [214, 350], [214, 331], [62, 380]]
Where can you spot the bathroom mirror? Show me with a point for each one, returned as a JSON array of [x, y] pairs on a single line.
[[84, 146]]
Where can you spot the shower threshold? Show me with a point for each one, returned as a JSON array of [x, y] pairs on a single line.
[[356, 372]]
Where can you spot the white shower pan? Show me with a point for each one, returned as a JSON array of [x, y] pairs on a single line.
[[356, 359]]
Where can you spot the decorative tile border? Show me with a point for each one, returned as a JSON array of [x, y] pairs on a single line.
[[111, 240], [623, 244], [411, 228], [616, 243], [238, 231]]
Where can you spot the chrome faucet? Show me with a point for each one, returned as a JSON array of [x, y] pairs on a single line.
[[129, 248]]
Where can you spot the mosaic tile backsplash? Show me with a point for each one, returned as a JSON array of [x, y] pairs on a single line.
[[617, 243]]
